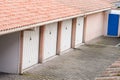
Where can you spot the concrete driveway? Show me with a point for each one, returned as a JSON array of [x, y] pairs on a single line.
[[106, 41], [83, 63]]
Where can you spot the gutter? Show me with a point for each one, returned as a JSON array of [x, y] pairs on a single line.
[[47, 22]]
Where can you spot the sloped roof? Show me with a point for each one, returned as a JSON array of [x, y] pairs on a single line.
[[19, 13], [87, 5]]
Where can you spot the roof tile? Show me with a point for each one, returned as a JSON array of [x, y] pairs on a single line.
[[17, 13]]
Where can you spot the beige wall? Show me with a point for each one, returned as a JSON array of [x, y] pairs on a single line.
[[94, 26]]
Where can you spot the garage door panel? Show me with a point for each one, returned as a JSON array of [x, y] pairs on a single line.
[[50, 40], [66, 35], [79, 30], [30, 48]]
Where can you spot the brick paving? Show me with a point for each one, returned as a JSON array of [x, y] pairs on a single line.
[[112, 72]]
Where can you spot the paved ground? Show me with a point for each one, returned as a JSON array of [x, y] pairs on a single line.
[[83, 63], [109, 41]]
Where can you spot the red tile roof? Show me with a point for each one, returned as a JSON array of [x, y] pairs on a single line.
[[18, 13], [87, 5]]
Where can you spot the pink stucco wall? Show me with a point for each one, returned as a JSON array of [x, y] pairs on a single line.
[[94, 26]]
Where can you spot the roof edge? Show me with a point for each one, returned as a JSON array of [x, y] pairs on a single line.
[[47, 22], [3, 32], [96, 11]]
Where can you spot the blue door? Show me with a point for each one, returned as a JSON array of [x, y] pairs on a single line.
[[113, 23]]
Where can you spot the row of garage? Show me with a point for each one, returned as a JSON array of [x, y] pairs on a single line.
[[21, 50], [49, 41]]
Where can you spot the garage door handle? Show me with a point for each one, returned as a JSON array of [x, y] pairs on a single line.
[[30, 38], [50, 33], [66, 28]]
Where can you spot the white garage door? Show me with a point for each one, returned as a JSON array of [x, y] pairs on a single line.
[[30, 48], [66, 35], [79, 30], [50, 40]]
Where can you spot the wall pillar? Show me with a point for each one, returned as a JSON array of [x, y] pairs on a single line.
[[41, 42], [74, 21], [59, 37], [21, 52], [84, 29]]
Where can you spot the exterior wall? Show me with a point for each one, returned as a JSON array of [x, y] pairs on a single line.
[[9, 53], [94, 26]]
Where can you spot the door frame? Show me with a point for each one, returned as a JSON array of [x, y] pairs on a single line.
[[21, 53], [118, 28], [20, 71], [71, 19], [53, 27], [81, 19]]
